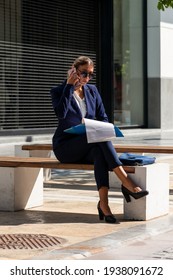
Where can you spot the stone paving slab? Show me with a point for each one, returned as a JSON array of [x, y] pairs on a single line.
[[157, 247]]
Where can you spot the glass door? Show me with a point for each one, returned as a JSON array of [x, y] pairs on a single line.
[[128, 63]]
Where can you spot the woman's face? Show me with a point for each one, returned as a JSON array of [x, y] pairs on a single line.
[[85, 72]]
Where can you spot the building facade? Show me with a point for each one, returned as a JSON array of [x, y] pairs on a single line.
[[130, 42], [159, 67]]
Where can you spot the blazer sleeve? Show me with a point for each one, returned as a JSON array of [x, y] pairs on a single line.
[[61, 99]]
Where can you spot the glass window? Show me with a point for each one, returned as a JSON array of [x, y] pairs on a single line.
[[128, 63]]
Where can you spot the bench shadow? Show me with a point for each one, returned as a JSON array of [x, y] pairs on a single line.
[[77, 186], [48, 217], [71, 179]]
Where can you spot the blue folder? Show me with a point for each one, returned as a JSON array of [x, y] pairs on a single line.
[[80, 129]]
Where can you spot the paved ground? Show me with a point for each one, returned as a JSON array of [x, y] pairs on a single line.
[[69, 213]]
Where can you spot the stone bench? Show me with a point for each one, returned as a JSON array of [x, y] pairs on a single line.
[[154, 178], [21, 185]]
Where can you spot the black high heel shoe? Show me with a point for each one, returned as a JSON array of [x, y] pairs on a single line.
[[108, 218], [135, 195]]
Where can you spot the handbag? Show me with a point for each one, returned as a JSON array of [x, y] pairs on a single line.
[[134, 159]]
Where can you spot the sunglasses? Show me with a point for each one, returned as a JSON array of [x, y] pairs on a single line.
[[85, 74]]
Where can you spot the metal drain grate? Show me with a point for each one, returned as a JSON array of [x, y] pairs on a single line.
[[28, 241]]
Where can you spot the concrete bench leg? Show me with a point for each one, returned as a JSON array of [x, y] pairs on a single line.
[[20, 188], [43, 153], [154, 178], [46, 171]]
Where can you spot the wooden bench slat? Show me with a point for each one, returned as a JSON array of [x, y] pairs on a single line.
[[34, 147], [119, 148], [39, 162], [48, 163], [144, 149]]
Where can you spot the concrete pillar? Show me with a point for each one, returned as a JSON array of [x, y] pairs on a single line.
[[160, 61]]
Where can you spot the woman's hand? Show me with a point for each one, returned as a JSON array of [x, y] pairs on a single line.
[[73, 77]]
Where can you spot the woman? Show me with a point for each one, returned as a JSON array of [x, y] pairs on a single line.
[[72, 101]]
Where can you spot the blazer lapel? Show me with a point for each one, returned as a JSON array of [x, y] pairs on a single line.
[[89, 101]]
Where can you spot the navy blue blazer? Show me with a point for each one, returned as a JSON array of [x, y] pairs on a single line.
[[68, 112]]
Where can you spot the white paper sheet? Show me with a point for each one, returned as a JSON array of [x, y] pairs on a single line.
[[98, 131]]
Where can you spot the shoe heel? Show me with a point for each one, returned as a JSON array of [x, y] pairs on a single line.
[[101, 215], [127, 197], [108, 218]]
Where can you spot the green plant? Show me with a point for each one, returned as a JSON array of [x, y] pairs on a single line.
[[162, 4]]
